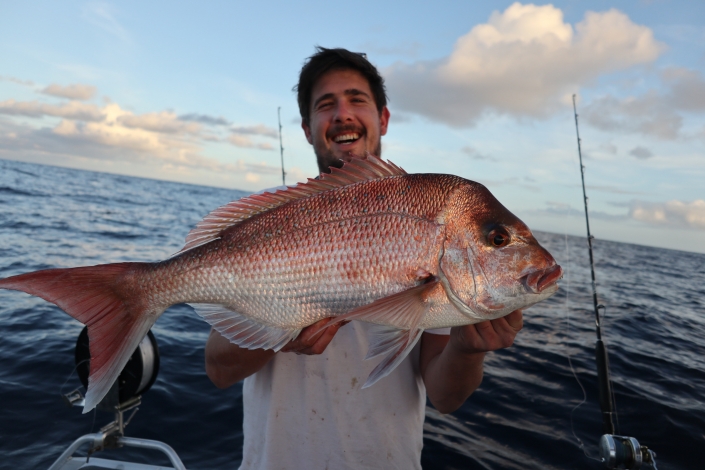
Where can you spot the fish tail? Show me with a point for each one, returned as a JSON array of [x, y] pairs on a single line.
[[108, 300]]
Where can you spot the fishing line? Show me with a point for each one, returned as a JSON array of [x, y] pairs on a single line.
[[570, 362], [61, 391]]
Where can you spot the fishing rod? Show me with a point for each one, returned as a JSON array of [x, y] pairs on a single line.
[[281, 146], [621, 452]]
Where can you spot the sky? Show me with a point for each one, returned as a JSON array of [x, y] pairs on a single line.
[[191, 91]]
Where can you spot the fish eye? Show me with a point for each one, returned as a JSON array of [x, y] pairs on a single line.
[[498, 237]]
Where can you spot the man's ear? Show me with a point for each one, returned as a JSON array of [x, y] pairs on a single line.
[[307, 131], [383, 121]]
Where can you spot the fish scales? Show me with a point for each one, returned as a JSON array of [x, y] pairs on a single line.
[[292, 272]]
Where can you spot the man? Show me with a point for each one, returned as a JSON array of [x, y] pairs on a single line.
[[307, 410]]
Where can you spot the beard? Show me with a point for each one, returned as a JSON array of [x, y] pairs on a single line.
[[327, 159]]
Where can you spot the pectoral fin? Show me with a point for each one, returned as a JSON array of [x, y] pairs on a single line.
[[244, 331], [397, 343], [398, 317]]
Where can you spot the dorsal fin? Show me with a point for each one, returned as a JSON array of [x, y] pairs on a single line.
[[354, 170]]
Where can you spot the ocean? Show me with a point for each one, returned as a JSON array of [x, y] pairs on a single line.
[[537, 405]]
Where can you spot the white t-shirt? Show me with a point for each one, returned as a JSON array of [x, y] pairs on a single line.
[[309, 412]]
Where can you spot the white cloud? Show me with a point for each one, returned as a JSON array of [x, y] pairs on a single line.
[[655, 113], [110, 132], [102, 15], [474, 154], [164, 122], [670, 213], [525, 61], [205, 119], [17, 80], [70, 110], [72, 92], [245, 142], [648, 114], [259, 129]]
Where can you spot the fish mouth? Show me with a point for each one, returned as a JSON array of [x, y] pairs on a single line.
[[540, 280]]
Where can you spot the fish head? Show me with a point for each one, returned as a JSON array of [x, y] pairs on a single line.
[[491, 263]]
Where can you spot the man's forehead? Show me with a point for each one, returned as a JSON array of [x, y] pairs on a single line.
[[345, 81]]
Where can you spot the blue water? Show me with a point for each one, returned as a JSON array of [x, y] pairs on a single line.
[[527, 413]]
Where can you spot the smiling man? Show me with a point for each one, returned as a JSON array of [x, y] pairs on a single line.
[[341, 116], [307, 410]]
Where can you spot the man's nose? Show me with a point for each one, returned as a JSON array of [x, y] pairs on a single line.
[[343, 112]]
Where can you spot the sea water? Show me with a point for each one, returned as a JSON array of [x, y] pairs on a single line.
[[537, 405]]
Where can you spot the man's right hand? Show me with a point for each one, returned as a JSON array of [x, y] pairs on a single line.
[[227, 363], [311, 341]]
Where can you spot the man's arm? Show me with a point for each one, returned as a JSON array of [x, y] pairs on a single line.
[[227, 363], [451, 366]]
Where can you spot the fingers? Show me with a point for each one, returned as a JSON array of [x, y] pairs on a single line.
[[515, 320], [491, 335], [311, 341]]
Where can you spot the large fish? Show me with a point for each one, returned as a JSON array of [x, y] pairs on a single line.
[[367, 242]]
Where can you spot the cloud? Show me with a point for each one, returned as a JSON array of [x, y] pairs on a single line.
[[17, 80], [164, 122], [102, 15], [259, 129], [80, 130], [656, 113], [641, 153], [72, 92], [205, 119], [671, 213], [245, 142], [474, 154], [648, 114], [687, 89], [566, 210], [608, 147], [70, 110], [525, 61]]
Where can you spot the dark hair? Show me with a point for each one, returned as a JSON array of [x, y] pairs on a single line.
[[325, 60]]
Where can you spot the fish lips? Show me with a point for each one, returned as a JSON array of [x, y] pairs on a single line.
[[542, 279]]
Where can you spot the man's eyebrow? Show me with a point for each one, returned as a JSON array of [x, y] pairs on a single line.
[[348, 92], [355, 92]]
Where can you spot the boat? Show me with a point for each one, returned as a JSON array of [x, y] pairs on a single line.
[[124, 396]]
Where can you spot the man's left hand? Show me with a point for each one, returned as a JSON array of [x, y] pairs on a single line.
[[487, 336]]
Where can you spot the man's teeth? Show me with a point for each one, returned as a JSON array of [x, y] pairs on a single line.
[[345, 138]]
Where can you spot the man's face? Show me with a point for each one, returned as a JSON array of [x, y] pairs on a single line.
[[344, 119]]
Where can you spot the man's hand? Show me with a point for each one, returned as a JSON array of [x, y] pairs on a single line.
[[310, 341], [451, 367], [227, 363], [487, 336]]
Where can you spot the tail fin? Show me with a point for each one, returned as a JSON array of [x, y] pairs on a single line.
[[105, 299]]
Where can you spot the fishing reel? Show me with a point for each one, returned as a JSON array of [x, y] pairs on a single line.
[[622, 452], [136, 378]]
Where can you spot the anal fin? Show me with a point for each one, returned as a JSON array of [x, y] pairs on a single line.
[[244, 331]]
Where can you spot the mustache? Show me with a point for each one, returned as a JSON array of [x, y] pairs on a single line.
[[344, 128]]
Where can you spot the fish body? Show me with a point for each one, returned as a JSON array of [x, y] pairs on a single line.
[[367, 242]]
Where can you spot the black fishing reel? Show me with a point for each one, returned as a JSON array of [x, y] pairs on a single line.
[[622, 452], [136, 378]]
